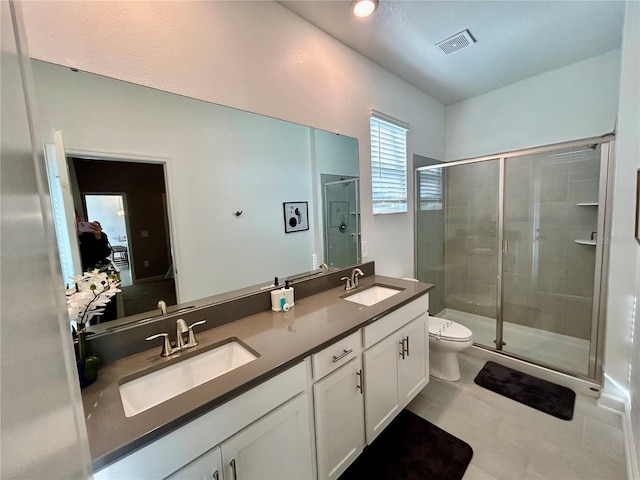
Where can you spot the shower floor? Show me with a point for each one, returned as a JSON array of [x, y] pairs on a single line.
[[562, 351]]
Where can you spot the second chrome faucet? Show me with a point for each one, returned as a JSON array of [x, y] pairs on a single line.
[[353, 282]]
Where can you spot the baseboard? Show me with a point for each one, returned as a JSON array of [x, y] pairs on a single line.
[[633, 472], [621, 406], [613, 402], [157, 278]]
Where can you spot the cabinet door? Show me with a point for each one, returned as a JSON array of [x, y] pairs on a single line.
[[206, 467], [381, 385], [339, 414], [276, 447], [413, 374]]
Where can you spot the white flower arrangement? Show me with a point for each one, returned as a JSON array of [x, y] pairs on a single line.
[[92, 292]]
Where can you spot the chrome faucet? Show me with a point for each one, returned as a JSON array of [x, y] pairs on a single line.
[[162, 305], [354, 277], [348, 286], [181, 329]]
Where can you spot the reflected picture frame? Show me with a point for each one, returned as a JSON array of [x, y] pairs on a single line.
[[296, 216], [637, 227]]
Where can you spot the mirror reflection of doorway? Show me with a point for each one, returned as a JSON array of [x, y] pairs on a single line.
[[140, 237]]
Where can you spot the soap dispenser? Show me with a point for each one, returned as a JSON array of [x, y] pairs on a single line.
[[288, 294]]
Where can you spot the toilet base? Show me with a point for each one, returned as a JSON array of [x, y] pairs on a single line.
[[444, 366]]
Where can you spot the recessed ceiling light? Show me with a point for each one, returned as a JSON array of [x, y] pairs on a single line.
[[364, 8]]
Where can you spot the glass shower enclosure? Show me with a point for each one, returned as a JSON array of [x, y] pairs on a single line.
[[514, 246], [341, 199]]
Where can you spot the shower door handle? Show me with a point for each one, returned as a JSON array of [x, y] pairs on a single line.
[[505, 247]]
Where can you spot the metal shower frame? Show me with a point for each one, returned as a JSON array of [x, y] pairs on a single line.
[[603, 243]]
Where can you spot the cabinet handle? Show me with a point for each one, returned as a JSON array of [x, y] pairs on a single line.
[[216, 475], [402, 348], [342, 355], [407, 345], [233, 468], [360, 385]]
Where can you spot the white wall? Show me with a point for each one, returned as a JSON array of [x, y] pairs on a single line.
[[256, 56], [219, 160], [622, 352], [43, 432], [569, 103]]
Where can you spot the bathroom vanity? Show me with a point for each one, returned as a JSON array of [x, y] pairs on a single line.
[[296, 410]]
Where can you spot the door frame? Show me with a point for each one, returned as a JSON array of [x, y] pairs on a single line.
[[138, 158]]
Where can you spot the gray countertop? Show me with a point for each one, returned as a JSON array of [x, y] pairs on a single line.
[[281, 338]]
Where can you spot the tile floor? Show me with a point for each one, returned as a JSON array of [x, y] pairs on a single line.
[[513, 442]]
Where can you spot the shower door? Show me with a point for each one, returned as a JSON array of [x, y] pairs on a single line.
[[551, 236], [341, 223], [457, 243], [514, 248]]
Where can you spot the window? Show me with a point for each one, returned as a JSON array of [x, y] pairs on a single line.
[[430, 185], [388, 165]]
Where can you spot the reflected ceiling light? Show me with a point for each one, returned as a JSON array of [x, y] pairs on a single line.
[[364, 8]]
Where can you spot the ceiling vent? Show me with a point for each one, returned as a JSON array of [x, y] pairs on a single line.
[[456, 42]]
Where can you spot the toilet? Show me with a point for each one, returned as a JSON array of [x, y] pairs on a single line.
[[446, 339]]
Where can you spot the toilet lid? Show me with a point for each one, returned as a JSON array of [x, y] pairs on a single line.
[[449, 330]]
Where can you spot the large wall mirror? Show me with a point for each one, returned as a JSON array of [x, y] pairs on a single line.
[[191, 194]]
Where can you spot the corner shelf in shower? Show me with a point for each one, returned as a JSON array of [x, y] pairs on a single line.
[[587, 204]]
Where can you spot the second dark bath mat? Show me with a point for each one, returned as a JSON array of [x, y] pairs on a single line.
[[534, 392]]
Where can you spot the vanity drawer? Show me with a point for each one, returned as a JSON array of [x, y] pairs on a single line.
[[394, 321], [336, 355]]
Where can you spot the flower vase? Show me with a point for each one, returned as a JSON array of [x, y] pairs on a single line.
[[87, 364]]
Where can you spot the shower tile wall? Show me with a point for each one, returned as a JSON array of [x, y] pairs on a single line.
[[471, 203], [548, 277]]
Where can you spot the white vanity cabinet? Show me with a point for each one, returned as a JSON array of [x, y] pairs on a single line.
[[266, 430], [396, 366], [358, 385], [339, 406], [276, 447], [205, 467]]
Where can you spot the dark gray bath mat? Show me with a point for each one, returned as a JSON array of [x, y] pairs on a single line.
[[411, 448], [545, 396]]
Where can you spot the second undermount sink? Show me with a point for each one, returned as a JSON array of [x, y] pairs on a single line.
[[372, 295], [151, 389]]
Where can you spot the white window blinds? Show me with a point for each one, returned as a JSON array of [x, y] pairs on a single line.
[[388, 166], [430, 185]]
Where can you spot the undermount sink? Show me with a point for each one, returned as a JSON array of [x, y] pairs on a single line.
[[151, 389], [372, 295]]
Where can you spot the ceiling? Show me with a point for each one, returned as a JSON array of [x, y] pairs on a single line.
[[516, 39]]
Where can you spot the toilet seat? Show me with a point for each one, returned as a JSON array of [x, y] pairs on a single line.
[[448, 330]]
